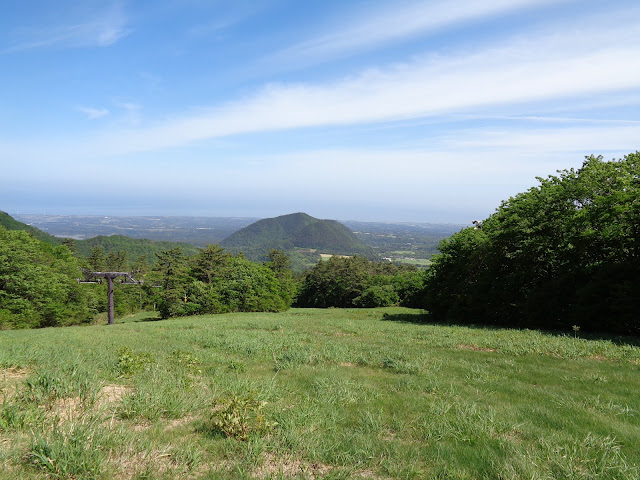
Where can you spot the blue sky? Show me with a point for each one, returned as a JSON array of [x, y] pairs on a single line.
[[428, 111]]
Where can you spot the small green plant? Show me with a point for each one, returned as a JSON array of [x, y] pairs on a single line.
[[399, 366], [237, 366], [68, 452], [187, 360], [576, 330], [242, 417], [130, 363]]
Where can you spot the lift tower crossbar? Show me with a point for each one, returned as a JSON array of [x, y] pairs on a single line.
[[96, 277]]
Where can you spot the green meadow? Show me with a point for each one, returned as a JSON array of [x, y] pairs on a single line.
[[332, 393]]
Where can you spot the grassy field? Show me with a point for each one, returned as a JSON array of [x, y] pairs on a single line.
[[371, 394]]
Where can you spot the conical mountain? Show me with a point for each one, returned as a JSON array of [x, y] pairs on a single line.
[[296, 230]]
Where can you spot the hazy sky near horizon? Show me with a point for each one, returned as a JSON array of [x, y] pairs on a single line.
[[429, 111]]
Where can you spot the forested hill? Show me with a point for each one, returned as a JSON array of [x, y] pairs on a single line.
[[296, 230], [10, 223], [134, 248]]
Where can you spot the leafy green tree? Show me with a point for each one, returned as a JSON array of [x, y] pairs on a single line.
[[38, 285], [116, 261], [210, 263], [96, 260], [351, 281], [251, 287], [171, 275], [377, 296], [280, 265], [70, 243], [561, 254]]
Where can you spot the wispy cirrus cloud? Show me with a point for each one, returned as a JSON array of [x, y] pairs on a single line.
[[543, 69], [535, 70], [93, 113], [102, 29], [384, 26]]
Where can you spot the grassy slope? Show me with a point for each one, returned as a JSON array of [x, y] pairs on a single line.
[[355, 395]]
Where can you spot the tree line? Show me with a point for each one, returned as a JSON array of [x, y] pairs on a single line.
[[562, 255]]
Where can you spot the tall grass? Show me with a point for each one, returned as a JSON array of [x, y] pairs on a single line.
[[316, 394]]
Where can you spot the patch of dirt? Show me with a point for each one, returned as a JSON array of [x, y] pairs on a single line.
[[67, 408], [141, 427], [130, 463], [475, 348], [9, 380], [369, 474], [273, 466], [599, 357], [13, 374], [347, 364], [179, 422], [113, 393], [514, 436]]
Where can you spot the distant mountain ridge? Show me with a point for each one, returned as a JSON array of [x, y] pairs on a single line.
[[295, 230]]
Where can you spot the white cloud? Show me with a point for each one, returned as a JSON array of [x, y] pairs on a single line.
[[102, 29], [132, 115], [533, 70], [93, 113], [382, 26]]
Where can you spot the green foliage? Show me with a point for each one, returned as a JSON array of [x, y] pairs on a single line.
[[280, 265], [67, 453], [294, 230], [356, 281], [251, 287], [130, 248], [9, 223], [171, 275], [564, 253], [377, 296], [214, 281], [96, 260], [357, 395], [38, 285], [130, 363], [242, 417]]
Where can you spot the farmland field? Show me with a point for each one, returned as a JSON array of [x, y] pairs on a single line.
[[335, 393]]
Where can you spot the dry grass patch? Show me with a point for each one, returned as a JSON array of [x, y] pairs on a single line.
[[599, 358], [113, 393], [180, 422], [67, 409], [9, 380], [131, 464], [289, 467], [369, 474], [13, 374]]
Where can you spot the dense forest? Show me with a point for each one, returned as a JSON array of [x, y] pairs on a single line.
[[564, 255]]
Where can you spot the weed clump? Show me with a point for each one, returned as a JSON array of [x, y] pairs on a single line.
[[187, 360], [241, 417], [130, 363]]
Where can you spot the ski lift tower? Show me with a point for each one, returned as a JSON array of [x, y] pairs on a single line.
[[96, 277]]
